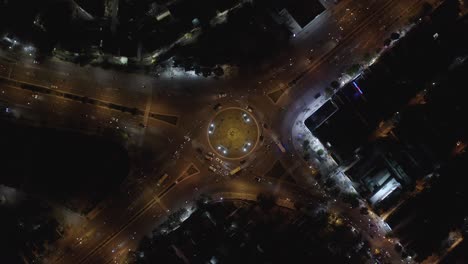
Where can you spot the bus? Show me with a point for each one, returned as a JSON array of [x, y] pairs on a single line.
[[280, 146], [234, 171], [163, 178]]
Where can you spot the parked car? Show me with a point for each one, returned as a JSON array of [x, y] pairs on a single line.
[[217, 107]]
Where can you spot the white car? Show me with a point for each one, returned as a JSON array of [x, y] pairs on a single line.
[[246, 117], [222, 149], [208, 157], [212, 168], [211, 128]]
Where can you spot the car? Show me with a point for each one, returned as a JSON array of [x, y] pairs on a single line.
[[246, 146], [246, 117], [249, 108], [211, 129], [221, 95], [212, 168], [208, 157], [313, 170], [53, 86], [162, 179], [217, 106], [211, 154], [222, 149]]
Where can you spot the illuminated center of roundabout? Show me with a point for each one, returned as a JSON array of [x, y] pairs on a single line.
[[233, 133]]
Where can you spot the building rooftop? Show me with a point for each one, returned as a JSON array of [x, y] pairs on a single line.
[[303, 11]]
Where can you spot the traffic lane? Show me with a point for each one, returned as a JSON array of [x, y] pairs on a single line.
[[333, 39], [19, 94], [108, 214], [291, 71], [153, 214], [322, 35], [346, 55], [163, 96], [312, 82], [55, 67], [180, 195], [296, 101], [50, 111], [108, 225], [134, 87], [159, 110], [129, 238], [193, 187], [369, 227], [75, 86]]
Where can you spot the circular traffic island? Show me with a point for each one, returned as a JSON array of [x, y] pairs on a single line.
[[233, 133]]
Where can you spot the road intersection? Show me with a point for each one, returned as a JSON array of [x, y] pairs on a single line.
[[320, 54]]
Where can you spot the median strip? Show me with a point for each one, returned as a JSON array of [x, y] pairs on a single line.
[[170, 119]]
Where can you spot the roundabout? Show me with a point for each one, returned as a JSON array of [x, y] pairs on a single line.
[[233, 133]]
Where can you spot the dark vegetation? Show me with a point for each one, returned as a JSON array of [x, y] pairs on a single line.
[[66, 167], [245, 232], [247, 38], [27, 228], [435, 67]]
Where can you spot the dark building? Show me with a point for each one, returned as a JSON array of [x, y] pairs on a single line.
[[297, 14]]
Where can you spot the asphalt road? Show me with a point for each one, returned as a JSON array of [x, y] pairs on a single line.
[[335, 40]]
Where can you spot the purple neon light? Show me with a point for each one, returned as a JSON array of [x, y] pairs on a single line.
[[357, 87]]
